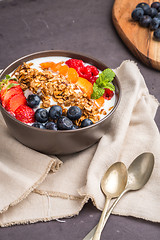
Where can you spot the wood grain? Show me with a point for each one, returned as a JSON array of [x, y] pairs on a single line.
[[138, 39]]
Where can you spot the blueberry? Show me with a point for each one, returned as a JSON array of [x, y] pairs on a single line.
[[147, 11], [33, 100], [145, 7], [158, 9], [153, 12], [55, 112], [64, 123], [51, 126], [41, 115], [137, 14], [86, 122], [75, 127], [155, 5], [157, 34], [157, 16], [154, 24], [38, 125], [141, 4], [74, 113], [145, 21]]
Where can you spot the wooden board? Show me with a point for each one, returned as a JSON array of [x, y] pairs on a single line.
[[138, 39]]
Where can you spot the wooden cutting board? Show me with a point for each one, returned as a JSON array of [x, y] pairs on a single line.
[[138, 39]]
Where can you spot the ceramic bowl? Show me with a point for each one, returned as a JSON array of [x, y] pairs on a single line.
[[59, 142]]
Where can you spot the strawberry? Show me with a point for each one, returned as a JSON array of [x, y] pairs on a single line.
[[24, 114], [15, 101], [11, 92], [11, 83]]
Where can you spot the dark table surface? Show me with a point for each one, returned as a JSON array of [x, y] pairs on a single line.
[[84, 26]]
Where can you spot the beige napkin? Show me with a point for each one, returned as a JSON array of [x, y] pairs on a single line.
[[35, 187]]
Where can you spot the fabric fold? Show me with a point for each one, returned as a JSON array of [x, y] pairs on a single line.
[[21, 169]]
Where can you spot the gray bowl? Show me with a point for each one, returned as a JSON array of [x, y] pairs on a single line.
[[58, 142]]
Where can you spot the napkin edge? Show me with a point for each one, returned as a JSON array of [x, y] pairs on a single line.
[[27, 192]]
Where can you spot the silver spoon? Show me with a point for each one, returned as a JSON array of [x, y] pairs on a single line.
[[139, 173], [112, 184]]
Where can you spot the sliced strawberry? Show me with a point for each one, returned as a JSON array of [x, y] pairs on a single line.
[[25, 114], [10, 93], [4, 88], [14, 102]]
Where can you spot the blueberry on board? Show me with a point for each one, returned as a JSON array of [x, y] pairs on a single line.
[[147, 11], [141, 4], [137, 14], [155, 5], [55, 112], [75, 127], [145, 21], [51, 126], [158, 15], [64, 123], [86, 122], [157, 34], [74, 113], [154, 24], [145, 7], [41, 115], [38, 125], [33, 100], [153, 12]]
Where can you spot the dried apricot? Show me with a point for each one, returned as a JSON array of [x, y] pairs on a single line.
[[51, 65], [47, 65], [57, 66], [72, 75], [85, 86], [63, 70], [100, 101]]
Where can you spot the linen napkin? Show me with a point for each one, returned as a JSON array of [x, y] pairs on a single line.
[[36, 187]]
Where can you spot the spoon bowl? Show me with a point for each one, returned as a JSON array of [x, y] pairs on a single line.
[[140, 171], [114, 180]]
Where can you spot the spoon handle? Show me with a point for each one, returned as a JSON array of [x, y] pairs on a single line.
[[90, 235], [99, 229]]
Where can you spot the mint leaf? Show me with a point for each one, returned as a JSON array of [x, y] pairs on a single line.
[[110, 86], [97, 91], [108, 74], [104, 81], [105, 77], [100, 81]]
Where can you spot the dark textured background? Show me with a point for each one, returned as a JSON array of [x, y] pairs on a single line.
[[28, 26]]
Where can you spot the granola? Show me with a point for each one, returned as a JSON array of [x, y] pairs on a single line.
[[59, 89]]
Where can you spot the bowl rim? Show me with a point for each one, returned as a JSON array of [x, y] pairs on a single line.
[[79, 57]]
